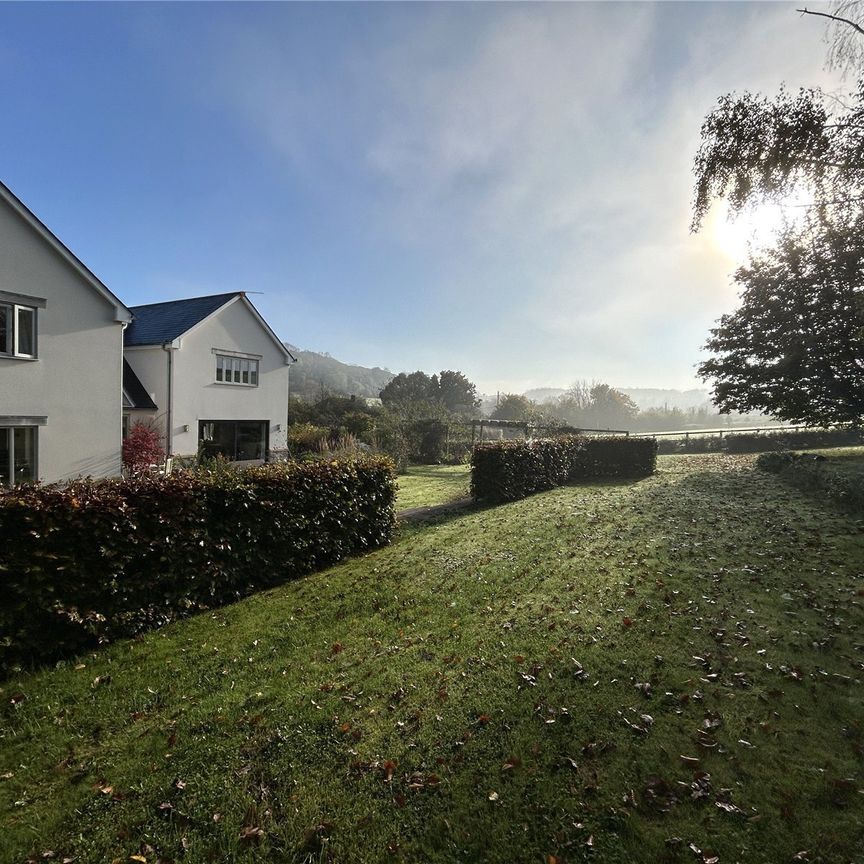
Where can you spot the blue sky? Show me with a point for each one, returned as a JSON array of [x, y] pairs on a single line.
[[502, 189]]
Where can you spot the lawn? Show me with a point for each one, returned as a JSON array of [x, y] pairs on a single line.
[[847, 461], [428, 485], [667, 670]]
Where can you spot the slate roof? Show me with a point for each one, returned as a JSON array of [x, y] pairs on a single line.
[[157, 323], [135, 396]]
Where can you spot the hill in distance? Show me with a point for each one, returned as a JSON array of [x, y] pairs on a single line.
[[315, 375]]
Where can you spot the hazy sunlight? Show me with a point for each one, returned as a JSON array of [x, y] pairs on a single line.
[[754, 227]]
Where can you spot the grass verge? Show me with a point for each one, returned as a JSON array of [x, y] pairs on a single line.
[[613, 672]]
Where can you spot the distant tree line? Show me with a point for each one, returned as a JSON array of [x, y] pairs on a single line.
[[426, 418], [595, 405]]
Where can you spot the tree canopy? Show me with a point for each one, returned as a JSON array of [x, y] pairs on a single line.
[[596, 405], [514, 406], [419, 394], [795, 346]]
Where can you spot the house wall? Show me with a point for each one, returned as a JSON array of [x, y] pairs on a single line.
[[150, 364], [76, 379], [198, 396]]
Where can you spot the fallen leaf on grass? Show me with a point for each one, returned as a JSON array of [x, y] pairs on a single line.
[[711, 722], [388, 766], [251, 833], [690, 761]]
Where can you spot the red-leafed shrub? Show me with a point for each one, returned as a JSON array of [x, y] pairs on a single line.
[[96, 560], [142, 449]]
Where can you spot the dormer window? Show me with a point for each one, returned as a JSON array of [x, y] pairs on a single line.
[[236, 370], [17, 330]]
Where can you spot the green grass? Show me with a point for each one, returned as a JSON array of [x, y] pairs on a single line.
[[476, 692], [846, 461], [428, 485]]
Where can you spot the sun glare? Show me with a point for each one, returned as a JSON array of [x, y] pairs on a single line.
[[736, 235]]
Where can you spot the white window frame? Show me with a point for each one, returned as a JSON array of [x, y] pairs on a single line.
[[9, 431], [237, 366], [13, 330]]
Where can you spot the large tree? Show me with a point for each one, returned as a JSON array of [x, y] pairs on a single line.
[[410, 388], [595, 405], [457, 393], [420, 395], [514, 406], [794, 347]]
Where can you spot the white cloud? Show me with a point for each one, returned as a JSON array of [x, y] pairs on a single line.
[[536, 158]]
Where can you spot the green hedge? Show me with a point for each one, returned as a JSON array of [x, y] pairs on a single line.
[[761, 442], [509, 470], [814, 473], [799, 439], [96, 560]]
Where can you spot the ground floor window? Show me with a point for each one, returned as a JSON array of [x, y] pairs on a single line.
[[17, 455], [234, 439]]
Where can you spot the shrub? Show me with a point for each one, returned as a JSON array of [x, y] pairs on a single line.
[[97, 560], [142, 448], [305, 438], [775, 461], [509, 470], [814, 473]]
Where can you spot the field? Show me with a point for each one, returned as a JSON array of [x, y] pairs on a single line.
[[668, 670]]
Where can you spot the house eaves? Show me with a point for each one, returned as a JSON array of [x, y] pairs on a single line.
[[122, 313], [168, 322]]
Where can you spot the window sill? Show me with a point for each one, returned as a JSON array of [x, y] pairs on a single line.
[[18, 357], [235, 384]]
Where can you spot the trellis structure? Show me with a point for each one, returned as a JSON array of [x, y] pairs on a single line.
[[531, 430]]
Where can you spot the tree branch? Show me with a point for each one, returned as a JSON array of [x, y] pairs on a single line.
[[833, 18]]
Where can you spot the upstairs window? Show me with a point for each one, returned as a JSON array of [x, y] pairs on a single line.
[[17, 330], [236, 370]]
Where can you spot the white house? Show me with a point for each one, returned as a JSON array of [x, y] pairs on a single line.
[[214, 373], [61, 357]]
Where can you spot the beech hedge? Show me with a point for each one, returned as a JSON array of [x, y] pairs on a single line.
[[510, 470], [92, 561]]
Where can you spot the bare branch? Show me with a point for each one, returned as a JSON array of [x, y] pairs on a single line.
[[833, 18]]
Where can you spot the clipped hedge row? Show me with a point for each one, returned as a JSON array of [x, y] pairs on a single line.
[[761, 442], [799, 439], [814, 473], [509, 470], [96, 560]]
